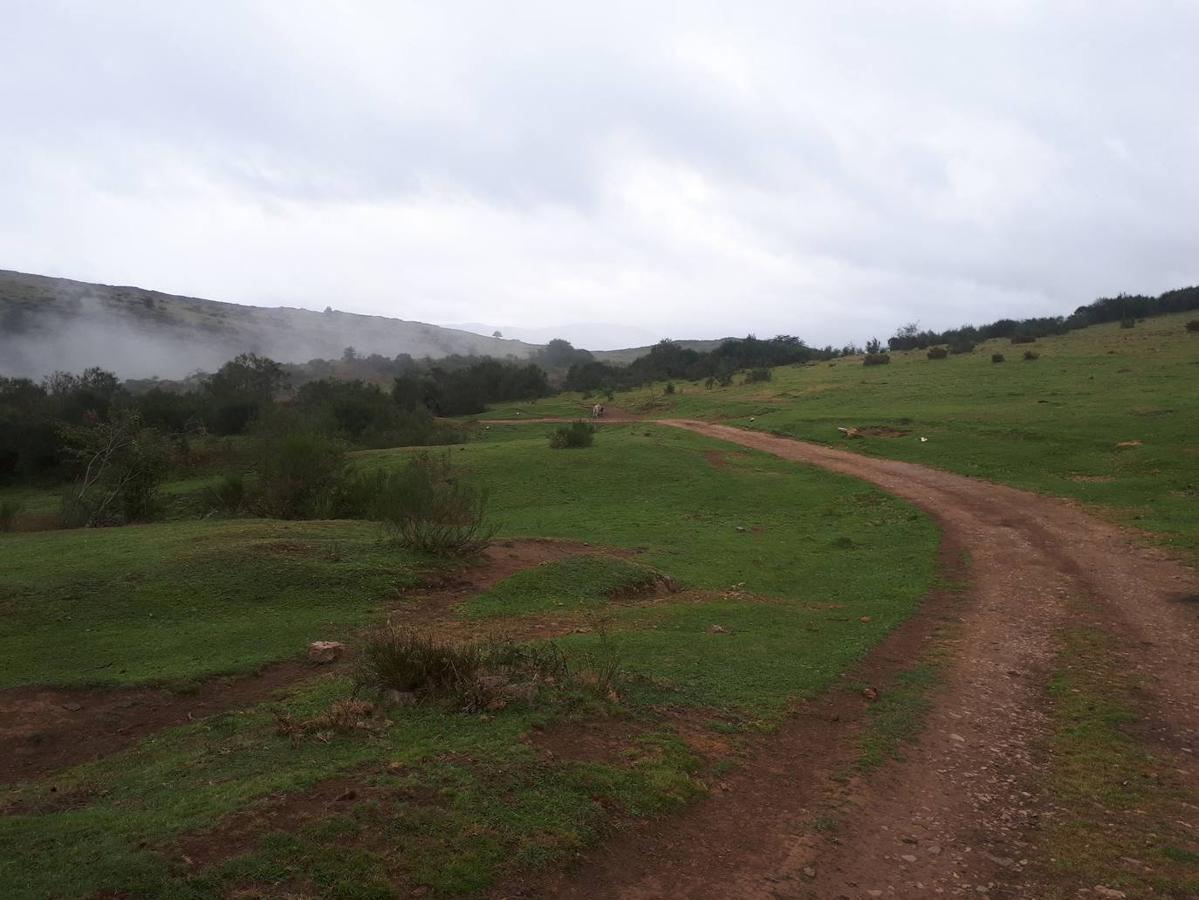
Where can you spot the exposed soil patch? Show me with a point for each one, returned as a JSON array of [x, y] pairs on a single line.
[[599, 740], [1092, 479], [755, 812], [716, 459], [884, 431], [44, 730]]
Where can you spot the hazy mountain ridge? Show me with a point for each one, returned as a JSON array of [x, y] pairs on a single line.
[[57, 323]]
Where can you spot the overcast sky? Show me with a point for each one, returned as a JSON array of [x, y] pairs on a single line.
[[827, 169]]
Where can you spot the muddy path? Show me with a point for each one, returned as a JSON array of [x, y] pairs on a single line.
[[45, 729], [959, 815]]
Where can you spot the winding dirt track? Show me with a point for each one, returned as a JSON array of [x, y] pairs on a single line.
[[958, 815]]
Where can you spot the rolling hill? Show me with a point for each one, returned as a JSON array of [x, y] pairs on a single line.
[[56, 323]]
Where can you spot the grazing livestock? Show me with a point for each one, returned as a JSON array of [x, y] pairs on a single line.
[[597, 411]]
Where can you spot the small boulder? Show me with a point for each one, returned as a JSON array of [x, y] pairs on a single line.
[[717, 629], [322, 652], [870, 693]]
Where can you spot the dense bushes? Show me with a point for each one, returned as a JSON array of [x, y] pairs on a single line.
[[875, 359], [1193, 325], [937, 353], [1023, 339], [297, 474], [1030, 355], [997, 357], [574, 435], [119, 466], [755, 376]]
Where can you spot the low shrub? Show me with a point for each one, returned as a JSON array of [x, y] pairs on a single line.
[[996, 357], [754, 376], [9, 510], [472, 676], [428, 507], [937, 353], [1031, 355], [961, 347], [875, 359], [298, 474], [1023, 339], [1128, 323], [575, 435], [669, 389], [229, 494], [1193, 325]]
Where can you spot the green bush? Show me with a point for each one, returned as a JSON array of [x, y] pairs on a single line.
[[937, 353], [669, 389], [120, 467], [1128, 323], [298, 474], [1023, 339], [961, 347], [1193, 325], [427, 506], [1031, 355], [876, 359], [574, 435], [228, 495], [473, 676], [996, 357], [753, 376]]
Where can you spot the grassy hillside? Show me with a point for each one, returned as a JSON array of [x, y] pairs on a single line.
[[56, 323], [1106, 415]]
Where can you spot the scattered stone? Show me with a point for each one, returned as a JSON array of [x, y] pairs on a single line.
[[717, 629], [809, 871], [933, 849], [870, 693], [351, 794], [957, 737], [72, 707], [908, 858], [322, 652], [1110, 893], [740, 527], [1127, 445], [865, 619], [399, 698]]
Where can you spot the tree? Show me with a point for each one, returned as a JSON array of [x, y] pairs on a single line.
[[349, 354], [497, 334]]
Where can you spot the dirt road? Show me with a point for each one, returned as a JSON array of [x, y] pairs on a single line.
[[959, 815]]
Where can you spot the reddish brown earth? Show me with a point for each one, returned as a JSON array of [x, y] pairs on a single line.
[[44, 730], [959, 816]]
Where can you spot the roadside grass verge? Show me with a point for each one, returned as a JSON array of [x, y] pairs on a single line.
[[1118, 805]]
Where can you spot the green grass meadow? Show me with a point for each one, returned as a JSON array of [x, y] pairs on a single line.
[[788, 561], [1050, 425]]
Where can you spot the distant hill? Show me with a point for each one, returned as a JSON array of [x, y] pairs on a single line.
[[55, 323], [624, 357]]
